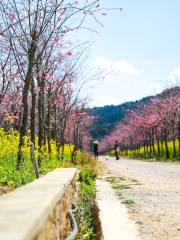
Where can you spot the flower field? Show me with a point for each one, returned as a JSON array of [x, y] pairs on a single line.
[[11, 176]]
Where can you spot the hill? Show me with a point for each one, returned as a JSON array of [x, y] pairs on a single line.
[[108, 116]]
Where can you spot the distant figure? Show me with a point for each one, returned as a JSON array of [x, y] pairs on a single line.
[[116, 150], [95, 149]]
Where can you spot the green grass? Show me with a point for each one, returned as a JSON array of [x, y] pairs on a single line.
[[128, 202], [121, 183], [111, 179]]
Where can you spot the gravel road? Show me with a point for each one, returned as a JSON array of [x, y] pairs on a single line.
[[155, 189]]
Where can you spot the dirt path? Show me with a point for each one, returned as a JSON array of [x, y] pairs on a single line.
[[154, 188]]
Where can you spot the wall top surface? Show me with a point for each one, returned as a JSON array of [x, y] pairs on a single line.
[[25, 210]]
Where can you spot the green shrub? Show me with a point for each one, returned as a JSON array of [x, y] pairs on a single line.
[[86, 205], [87, 175]]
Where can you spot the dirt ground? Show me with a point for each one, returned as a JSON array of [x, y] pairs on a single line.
[[153, 191]]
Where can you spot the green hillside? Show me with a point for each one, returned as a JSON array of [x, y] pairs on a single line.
[[108, 116]]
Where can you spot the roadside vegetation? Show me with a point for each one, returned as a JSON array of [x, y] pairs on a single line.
[[11, 177], [87, 193]]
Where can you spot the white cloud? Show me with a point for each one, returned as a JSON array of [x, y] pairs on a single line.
[[105, 99], [110, 78], [149, 62], [174, 77], [120, 67]]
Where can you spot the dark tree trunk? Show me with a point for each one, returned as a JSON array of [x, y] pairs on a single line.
[[174, 140], [166, 145], [144, 146], [174, 147], [27, 84], [33, 113], [40, 119], [153, 145], [63, 138], [158, 147], [162, 144], [73, 155], [48, 129], [179, 138], [150, 144], [43, 114], [25, 113], [147, 147]]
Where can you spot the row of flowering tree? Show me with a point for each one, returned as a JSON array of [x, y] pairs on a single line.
[[153, 130], [39, 71]]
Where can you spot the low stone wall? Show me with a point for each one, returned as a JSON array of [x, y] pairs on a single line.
[[38, 211]]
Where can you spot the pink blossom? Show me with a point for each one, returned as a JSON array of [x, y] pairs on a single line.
[[12, 16]]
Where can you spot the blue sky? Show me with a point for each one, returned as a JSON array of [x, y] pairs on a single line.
[[138, 50]]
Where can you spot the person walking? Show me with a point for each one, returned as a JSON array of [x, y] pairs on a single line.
[[95, 149], [116, 150]]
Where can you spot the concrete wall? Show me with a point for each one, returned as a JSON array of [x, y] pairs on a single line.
[[38, 211]]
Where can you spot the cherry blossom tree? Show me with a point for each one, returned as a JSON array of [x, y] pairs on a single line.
[[153, 124], [28, 31]]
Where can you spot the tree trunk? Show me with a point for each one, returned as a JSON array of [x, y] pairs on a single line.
[[73, 155], [48, 129], [179, 137], [144, 146], [27, 84], [150, 145], [162, 144], [174, 147], [33, 113], [166, 145], [24, 116], [158, 147], [147, 147], [153, 145], [174, 140], [40, 119]]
